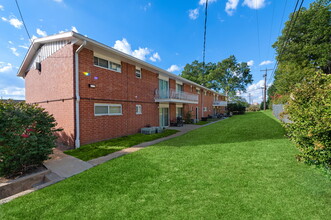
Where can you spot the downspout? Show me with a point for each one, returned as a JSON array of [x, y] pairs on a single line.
[[77, 141]]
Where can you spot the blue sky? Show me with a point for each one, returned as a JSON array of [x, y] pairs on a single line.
[[166, 33]]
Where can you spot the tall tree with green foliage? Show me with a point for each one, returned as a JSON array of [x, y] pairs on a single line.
[[304, 48], [199, 73], [229, 76]]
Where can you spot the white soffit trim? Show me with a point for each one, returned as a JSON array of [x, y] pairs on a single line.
[[163, 77], [164, 105], [179, 82], [179, 105]]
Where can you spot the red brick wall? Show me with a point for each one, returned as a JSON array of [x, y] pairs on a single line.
[[53, 82], [115, 88], [172, 111]]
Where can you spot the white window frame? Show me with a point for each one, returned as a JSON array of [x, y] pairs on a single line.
[[108, 105], [205, 109], [139, 108], [110, 64]]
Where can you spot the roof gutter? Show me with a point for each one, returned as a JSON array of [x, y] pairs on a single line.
[[77, 141]]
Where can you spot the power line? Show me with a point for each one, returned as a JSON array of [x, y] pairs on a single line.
[[258, 34], [271, 27], [288, 33], [19, 10], [204, 35]]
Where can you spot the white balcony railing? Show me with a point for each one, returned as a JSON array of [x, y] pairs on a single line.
[[175, 96], [220, 103]]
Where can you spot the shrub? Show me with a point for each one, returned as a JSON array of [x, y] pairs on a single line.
[[253, 108], [26, 137], [188, 117], [236, 108], [310, 111]]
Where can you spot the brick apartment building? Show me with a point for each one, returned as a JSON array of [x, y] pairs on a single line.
[[96, 92]]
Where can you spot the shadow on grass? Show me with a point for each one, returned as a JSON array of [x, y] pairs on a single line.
[[253, 126]]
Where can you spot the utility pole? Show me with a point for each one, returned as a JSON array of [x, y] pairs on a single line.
[[265, 87], [249, 98]]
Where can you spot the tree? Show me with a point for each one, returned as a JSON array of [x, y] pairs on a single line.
[[304, 48], [198, 73], [240, 100], [230, 76]]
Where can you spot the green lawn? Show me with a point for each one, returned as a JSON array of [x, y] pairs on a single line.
[[239, 168], [102, 148]]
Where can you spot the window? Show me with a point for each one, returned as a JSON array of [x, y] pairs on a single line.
[[107, 109], [198, 91], [179, 111], [138, 110], [138, 73], [179, 88], [107, 64], [205, 109]]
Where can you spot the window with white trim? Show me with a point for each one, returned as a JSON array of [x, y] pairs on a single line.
[[138, 73], [107, 64], [138, 110], [107, 109], [205, 109]]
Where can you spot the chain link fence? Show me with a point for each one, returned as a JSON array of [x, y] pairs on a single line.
[[277, 110]]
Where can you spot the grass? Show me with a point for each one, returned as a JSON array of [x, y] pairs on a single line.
[[239, 168], [102, 148]]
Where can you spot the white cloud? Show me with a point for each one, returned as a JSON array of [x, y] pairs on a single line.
[[123, 45], [2, 8], [155, 57], [13, 21], [250, 63], [173, 68], [12, 92], [5, 67], [231, 6], [14, 51], [256, 91], [33, 38], [266, 62], [146, 7], [23, 46], [59, 1], [254, 4], [11, 42], [140, 53], [73, 28], [202, 2], [16, 23], [193, 13], [41, 32]]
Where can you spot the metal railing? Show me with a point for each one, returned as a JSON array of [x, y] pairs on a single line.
[[177, 95], [220, 103]]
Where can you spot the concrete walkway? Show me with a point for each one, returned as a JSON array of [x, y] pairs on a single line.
[[65, 165]]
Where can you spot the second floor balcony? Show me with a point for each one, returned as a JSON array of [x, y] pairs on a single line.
[[175, 96], [220, 103]]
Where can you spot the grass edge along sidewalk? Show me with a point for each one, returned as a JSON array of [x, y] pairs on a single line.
[[239, 168], [91, 151]]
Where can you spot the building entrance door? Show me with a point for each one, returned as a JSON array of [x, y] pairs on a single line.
[[164, 117]]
